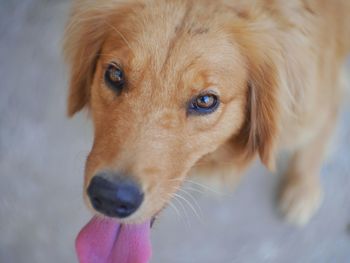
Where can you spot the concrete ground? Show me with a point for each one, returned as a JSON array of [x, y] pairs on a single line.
[[42, 155]]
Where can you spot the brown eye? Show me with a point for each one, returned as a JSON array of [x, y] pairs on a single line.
[[204, 104], [205, 101], [114, 78]]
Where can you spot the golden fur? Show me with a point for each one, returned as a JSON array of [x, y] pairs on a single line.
[[274, 63]]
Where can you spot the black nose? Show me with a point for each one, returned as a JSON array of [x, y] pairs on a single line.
[[114, 195]]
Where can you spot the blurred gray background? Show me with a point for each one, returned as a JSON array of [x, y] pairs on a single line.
[[42, 155]]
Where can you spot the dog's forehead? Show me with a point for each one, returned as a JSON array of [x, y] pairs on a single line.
[[165, 34], [163, 48]]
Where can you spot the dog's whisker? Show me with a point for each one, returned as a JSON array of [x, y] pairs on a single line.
[[203, 186], [188, 187], [173, 206], [195, 202], [186, 217], [183, 208], [189, 204], [204, 191]]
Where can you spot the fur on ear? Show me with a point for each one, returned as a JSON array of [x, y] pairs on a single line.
[[85, 34], [259, 133], [83, 39]]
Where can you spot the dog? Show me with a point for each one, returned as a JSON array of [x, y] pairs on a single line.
[[185, 87]]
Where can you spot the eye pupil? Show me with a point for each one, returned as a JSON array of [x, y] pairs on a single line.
[[205, 101], [114, 78], [204, 104], [115, 74]]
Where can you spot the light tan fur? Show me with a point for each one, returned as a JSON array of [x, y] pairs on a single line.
[[275, 65]]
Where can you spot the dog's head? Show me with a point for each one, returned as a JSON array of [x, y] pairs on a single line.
[[166, 82]]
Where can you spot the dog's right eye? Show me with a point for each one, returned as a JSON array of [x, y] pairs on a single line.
[[204, 104], [114, 78]]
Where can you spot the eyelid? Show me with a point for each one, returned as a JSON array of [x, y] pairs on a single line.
[[115, 63], [207, 92]]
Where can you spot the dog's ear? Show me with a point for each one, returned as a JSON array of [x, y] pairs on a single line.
[[259, 133], [86, 31], [262, 111], [83, 40]]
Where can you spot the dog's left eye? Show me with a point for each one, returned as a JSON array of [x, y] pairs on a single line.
[[204, 104], [114, 78]]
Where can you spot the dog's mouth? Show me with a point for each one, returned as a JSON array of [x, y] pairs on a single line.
[[105, 240]]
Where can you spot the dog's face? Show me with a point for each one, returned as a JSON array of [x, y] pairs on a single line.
[[165, 85]]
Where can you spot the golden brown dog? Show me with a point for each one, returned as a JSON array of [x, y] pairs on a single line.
[[171, 84]]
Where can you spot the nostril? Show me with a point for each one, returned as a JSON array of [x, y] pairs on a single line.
[[128, 199], [96, 201], [114, 196], [123, 209]]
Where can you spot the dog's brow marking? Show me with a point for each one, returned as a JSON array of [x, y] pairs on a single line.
[[120, 34], [178, 30], [198, 31], [142, 74]]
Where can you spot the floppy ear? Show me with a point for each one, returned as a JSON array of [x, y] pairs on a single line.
[[260, 130], [84, 37], [89, 24], [261, 125], [81, 46]]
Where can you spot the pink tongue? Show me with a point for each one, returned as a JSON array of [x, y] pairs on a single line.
[[104, 240]]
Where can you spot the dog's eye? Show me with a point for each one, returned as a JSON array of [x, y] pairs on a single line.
[[114, 78], [204, 104]]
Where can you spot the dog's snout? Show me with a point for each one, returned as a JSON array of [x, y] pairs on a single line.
[[114, 195]]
